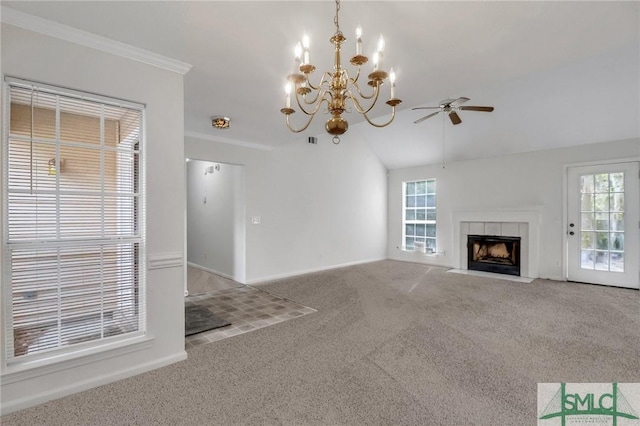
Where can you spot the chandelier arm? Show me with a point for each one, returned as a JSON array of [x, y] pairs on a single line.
[[316, 107], [306, 101], [311, 116], [359, 108], [354, 80], [373, 94], [322, 81], [294, 130], [393, 115], [318, 90]]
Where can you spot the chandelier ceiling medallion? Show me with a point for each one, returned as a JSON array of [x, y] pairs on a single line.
[[337, 87]]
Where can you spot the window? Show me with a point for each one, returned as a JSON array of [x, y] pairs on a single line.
[[419, 215], [73, 238]]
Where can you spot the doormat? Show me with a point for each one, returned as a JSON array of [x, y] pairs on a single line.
[[198, 319]]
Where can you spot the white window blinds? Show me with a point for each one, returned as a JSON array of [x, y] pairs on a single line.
[[73, 230]]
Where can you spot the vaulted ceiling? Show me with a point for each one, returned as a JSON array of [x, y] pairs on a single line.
[[557, 73]]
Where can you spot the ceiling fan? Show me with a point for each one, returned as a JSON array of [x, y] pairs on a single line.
[[450, 106]]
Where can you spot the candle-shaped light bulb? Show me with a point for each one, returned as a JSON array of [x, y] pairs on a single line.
[[381, 44], [359, 40], [287, 89], [392, 79], [298, 52], [376, 58], [305, 47]]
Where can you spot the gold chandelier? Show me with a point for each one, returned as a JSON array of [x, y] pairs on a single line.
[[337, 87]]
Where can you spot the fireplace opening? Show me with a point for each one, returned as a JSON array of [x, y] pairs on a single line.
[[491, 253]]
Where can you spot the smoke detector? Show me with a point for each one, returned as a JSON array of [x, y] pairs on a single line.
[[220, 122]]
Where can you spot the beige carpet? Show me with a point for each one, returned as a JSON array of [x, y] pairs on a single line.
[[391, 344]]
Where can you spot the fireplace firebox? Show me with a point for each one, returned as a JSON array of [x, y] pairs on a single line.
[[491, 253]]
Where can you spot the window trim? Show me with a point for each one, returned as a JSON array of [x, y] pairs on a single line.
[[76, 354]]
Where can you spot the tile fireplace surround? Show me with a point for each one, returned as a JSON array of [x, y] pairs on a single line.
[[508, 223]]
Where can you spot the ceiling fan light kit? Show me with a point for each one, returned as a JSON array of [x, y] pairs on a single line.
[[337, 87], [449, 107]]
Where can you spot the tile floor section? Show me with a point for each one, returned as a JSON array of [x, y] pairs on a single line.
[[246, 308]]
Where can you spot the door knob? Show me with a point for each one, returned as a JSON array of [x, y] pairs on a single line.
[[571, 225], [571, 233]]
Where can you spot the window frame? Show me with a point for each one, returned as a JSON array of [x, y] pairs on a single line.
[[427, 183], [11, 362]]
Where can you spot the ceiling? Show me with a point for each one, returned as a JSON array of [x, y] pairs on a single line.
[[557, 73]]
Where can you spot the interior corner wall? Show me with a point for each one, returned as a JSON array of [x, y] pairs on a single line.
[[37, 57], [320, 206], [215, 207], [531, 180]]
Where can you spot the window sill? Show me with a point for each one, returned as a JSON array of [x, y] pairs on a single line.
[[28, 369], [423, 253]]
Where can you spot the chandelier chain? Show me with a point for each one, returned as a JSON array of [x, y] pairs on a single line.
[[336, 19]]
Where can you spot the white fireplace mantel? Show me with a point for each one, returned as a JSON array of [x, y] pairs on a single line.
[[530, 216]]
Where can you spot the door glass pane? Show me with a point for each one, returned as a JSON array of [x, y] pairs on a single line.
[[587, 258], [602, 221], [602, 207], [602, 240], [587, 240], [587, 202], [602, 182], [617, 241], [586, 184], [602, 202], [617, 202], [602, 260], [587, 221], [617, 262], [617, 221], [410, 214], [411, 188], [616, 182]]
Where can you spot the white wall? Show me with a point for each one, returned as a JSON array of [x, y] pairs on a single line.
[[513, 182], [321, 206], [34, 56], [215, 218]]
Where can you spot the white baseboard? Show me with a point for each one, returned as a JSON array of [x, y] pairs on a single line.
[[41, 398], [213, 271], [264, 280]]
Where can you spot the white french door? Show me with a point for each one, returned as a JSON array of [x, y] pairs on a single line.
[[603, 220]]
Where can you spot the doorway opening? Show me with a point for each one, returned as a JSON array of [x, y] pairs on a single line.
[[215, 225]]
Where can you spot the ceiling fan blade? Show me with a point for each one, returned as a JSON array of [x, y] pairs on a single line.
[[459, 101], [455, 118], [425, 108], [420, 120], [477, 108]]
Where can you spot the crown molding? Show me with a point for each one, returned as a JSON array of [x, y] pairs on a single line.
[[84, 38], [206, 137]]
